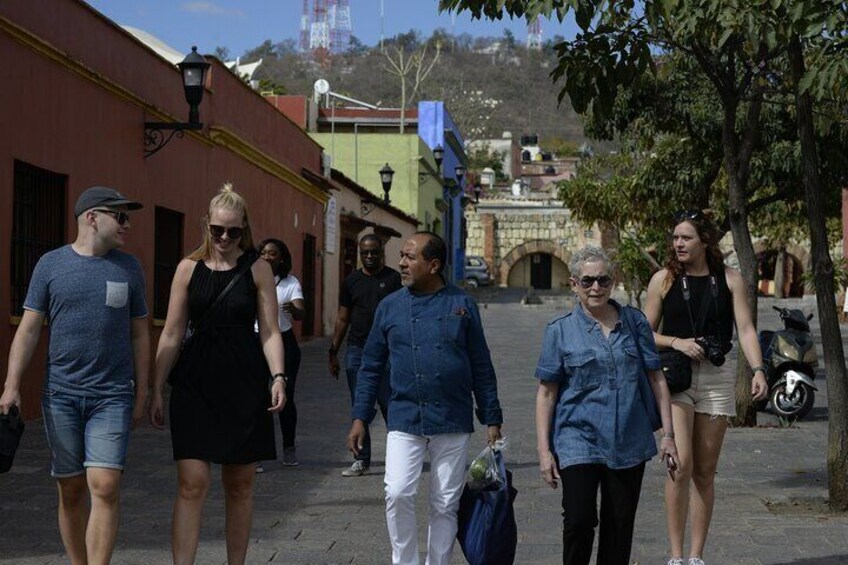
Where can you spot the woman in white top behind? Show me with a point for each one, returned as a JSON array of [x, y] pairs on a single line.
[[291, 307]]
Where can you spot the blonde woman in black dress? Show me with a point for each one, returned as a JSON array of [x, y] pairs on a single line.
[[221, 408]]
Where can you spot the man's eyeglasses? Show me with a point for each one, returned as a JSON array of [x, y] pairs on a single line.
[[683, 215], [219, 231], [371, 252], [604, 281], [121, 217]]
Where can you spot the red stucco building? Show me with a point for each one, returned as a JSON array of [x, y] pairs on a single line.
[[76, 91]]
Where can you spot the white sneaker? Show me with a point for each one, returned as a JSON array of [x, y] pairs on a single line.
[[675, 561], [359, 468], [259, 468], [694, 561]]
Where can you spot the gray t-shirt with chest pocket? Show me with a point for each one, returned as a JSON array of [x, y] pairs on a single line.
[[89, 303]]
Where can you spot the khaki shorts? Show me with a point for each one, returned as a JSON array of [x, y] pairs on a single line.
[[713, 390]]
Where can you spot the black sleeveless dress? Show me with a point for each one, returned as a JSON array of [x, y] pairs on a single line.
[[219, 405]]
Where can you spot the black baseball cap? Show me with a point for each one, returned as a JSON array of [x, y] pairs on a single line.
[[103, 196]]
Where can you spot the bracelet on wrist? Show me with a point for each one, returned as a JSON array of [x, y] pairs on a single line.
[[671, 345], [668, 435], [280, 377], [759, 368]]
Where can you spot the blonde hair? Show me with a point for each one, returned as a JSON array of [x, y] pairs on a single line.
[[228, 199]]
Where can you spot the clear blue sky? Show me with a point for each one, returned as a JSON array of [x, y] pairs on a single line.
[[240, 25]]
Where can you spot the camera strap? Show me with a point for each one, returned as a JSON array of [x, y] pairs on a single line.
[[705, 304]]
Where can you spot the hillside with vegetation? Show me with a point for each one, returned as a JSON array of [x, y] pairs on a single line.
[[490, 85]]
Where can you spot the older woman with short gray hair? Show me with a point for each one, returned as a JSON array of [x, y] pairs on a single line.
[[599, 386]]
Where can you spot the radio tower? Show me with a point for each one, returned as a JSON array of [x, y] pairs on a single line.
[[534, 35], [303, 43], [319, 37], [340, 27]]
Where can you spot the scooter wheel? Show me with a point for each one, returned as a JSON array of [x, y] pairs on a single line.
[[792, 407]]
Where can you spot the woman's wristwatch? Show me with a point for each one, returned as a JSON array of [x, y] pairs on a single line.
[[280, 377], [759, 368]]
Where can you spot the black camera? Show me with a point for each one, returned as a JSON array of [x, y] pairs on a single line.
[[714, 349]]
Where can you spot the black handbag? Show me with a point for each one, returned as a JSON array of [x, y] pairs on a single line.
[[183, 359], [11, 429], [677, 368]]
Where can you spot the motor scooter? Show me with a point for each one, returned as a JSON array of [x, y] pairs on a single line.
[[791, 361]]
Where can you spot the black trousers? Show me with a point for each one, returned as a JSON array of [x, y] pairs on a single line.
[[619, 498], [288, 415]]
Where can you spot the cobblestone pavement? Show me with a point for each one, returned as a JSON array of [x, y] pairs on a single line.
[[312, 515]]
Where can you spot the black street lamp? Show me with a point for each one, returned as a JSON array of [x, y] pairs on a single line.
[[386, 175], [438, 155], [193, 69], [477, 190], [459, 172]]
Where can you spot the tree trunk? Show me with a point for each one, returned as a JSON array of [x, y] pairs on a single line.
[[779, 279], [736, 166], [834, 357]]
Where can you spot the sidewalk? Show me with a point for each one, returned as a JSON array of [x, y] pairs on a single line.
[[312, 515]]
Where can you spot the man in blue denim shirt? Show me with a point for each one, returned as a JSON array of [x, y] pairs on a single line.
[[432, 335], [593, 410]]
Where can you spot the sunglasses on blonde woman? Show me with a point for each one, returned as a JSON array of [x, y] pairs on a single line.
[[219, 231]]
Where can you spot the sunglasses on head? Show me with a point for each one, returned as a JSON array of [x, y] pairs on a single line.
[[121, 217], [683, 215], [604, 281], [219, 231]]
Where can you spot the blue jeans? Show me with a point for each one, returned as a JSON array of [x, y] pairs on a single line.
[[86, 431], [353, 360]]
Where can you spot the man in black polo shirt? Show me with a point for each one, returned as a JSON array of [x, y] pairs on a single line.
[[361, 292]]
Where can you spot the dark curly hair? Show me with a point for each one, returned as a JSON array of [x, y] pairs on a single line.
[[708, 232], [285, 266]]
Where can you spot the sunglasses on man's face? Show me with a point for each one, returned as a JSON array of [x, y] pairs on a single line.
[[121, 217], [370, 252], [683, 215], [604, 281], [219, 231]]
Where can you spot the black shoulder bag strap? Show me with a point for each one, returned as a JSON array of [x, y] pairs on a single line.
[[246, 267], [705, 303], [646, 392]]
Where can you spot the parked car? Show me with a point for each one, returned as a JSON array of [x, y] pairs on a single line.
[[476, 272]]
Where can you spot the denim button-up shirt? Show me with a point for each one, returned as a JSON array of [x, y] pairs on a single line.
[[439, 357], [599, 415]]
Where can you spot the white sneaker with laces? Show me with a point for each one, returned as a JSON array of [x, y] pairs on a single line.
[[675, 561], [358, 469], [695, 561]]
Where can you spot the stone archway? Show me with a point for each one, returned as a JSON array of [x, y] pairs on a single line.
[[528, 248]]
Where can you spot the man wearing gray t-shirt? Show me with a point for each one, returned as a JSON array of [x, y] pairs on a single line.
[[92, 296]]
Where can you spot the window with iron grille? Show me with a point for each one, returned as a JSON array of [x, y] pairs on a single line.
[[38, 223], [167, 254]]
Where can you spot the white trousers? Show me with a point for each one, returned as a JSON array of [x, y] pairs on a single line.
[[404, 461]]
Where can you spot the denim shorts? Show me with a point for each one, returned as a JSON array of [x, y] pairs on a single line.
[[86, 431]]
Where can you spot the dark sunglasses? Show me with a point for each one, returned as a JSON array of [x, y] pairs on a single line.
[[219, 231], [683, 215], [121, 217], [604, 281], [373, 252]]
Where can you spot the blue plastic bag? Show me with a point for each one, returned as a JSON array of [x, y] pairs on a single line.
[[487, 531]]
